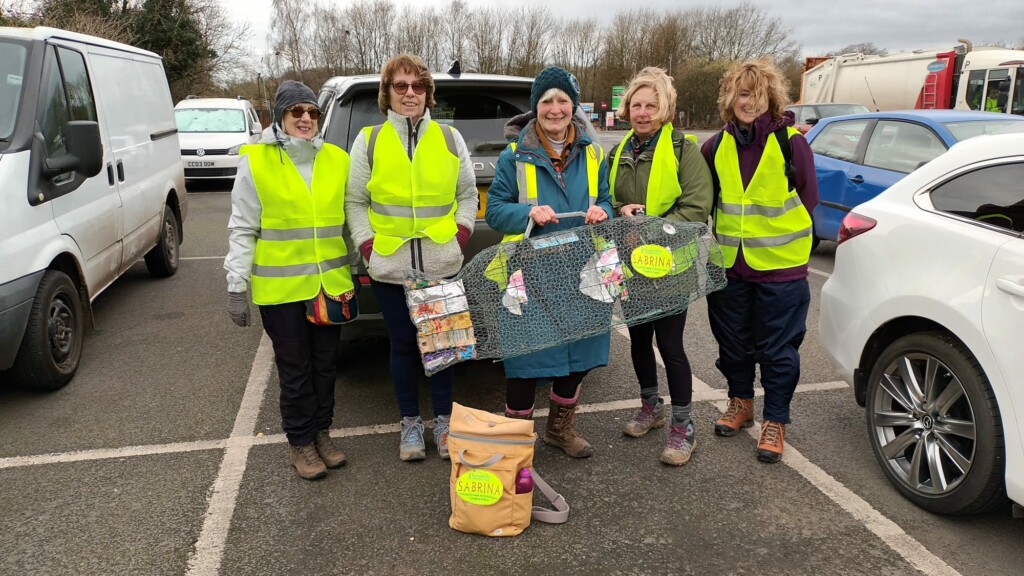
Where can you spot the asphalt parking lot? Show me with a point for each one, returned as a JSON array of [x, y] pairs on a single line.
[[165, 456]]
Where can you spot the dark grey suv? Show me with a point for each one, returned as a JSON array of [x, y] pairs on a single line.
[[477, 105]]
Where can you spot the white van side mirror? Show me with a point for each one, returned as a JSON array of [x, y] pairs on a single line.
[[255, 127], [84, 151]]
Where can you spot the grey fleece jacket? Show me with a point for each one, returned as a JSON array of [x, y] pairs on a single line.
[[439, 260], [246, 210]]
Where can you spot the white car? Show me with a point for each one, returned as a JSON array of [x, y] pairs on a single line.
[[211, 130], [924, 317]]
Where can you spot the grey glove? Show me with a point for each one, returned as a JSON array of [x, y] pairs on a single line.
[[238, 308]]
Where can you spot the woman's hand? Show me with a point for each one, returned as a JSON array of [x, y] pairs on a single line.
[[630, 209], [542, 215], [595, 215]]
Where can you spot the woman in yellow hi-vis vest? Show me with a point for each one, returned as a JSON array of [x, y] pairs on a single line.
[[659, 171], [563, 170], [286, 246], [411, 205], [766, 191]]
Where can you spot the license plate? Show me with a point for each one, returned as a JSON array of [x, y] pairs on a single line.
[[195, 164]]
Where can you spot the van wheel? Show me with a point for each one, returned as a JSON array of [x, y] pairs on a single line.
[[52, 345], [162, 260]]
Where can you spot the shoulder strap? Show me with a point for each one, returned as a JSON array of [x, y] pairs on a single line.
[[714, 173], [782, 137], [561, 512], [371, 141]]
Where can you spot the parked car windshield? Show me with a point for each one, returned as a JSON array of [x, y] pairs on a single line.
[[12, 71], [827, 111], [478, 113], [210, 120], [964, 130]]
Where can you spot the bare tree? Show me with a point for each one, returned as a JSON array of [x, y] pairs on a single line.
[[454, 17], [289, 34], [421, 32], [530, 52], [487, 39], [226, 45], [329, 42], [577, 48], [859, 48], [372, 25], [739, 33]]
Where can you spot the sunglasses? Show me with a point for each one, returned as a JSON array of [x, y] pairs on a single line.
[[314, 114], [403, 87]]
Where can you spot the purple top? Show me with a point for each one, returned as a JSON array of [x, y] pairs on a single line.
[[806, 186]]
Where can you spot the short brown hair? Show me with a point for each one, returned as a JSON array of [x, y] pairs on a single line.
[[661, 84], [769, 86], [410, 64]]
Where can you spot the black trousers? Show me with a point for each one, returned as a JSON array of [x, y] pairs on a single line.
[[669, 334], [305, 355]]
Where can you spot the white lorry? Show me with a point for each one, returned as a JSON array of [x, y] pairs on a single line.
[[963, 78], [92, 182]]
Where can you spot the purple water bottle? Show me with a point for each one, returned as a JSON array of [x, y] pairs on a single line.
[[524, 481]]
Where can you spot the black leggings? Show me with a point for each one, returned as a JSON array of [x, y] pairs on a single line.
[[520, 392], [669, 334]]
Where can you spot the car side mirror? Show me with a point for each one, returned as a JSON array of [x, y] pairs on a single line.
[[812, 121], [84, 151], [255, 128]]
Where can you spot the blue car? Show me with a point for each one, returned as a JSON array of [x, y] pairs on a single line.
[[858, 156]]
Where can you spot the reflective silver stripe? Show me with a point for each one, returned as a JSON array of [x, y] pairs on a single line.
[[758, 210], [371, 143], [593, 200], [764, 242], [274, 235], [732, 241], [521, 182], [298, 269], [449, 139], [409, 212]]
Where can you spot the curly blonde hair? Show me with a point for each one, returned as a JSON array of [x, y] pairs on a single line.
[[763, 79], [410, 64], [664, 94]]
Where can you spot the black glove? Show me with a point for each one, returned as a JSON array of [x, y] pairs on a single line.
[[238, 308]]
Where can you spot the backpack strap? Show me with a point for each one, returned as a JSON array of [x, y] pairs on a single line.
[[561, 512], [782, 137], [371, 142]]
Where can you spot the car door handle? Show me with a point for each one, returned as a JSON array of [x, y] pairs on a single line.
[[1010, 287], [110, 174], [120, 171], [857, 179]]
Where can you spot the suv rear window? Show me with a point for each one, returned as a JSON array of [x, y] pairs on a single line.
[[479, 113]]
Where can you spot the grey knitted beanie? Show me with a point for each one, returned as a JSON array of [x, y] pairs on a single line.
[[290, 93]]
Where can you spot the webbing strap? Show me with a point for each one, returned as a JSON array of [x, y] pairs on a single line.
[[561, 512]]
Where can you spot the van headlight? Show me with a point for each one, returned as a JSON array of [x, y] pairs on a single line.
[[233, 151]]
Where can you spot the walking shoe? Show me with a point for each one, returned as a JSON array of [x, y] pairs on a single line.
[[769, 445], [739, 415], [681, 442], [411, 446], [560, 432], [306, 462], [328, 452], [649, 416], [441, 436]]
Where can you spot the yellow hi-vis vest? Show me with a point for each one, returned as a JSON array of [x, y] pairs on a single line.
[[663, 187], [526, 181], [412, 198], [301, 245], [767, 219]]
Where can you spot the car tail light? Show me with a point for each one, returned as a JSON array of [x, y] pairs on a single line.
[[854, 225]]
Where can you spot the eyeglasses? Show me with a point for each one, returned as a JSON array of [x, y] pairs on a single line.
[[314, 114], [403, 87]]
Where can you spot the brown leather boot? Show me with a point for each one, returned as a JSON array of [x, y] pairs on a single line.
[[561, 434], [739, 415], [328, 452], [306, 461], [771, 442]]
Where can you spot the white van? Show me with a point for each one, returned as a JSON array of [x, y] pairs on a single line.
[[92, 183], [211, 130]]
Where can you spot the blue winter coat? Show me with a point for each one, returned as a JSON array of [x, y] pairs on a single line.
[[507, 215]]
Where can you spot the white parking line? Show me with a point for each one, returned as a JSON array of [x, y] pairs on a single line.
[[818, 272], [209, 550]]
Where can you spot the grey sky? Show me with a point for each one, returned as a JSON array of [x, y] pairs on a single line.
[[818, 26]]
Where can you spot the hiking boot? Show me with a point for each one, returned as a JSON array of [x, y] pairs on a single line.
[[519, 414], [561, 434], [769, 445], [411, 446], [441, 436], [649, 416], [306, 462], [681, 442], [739, 415], [328, 452]]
